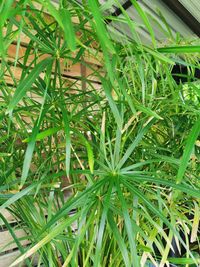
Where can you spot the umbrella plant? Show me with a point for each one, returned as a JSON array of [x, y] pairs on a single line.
[[103, 176]]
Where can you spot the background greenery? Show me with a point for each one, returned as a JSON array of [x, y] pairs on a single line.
[[106, 177]]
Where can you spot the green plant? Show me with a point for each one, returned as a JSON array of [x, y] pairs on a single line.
[[128, 152]]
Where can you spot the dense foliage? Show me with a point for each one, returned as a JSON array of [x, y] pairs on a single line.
[[97, 177]]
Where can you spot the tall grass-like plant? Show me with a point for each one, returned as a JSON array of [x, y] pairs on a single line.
[[97, 177]]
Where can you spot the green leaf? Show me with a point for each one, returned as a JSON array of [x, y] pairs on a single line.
[[90, 155], [15, 238], [145, 19], [179, 49], [83, 227], [129, 227], [154, 209], [135, 143], [158, 55], [119, 239], [195, 224], [26, 84], [63, 18], [67, 138], [183, 188], [99, 25], [184, 261], [74, 203], [42, 135], [188, 150], [89, 149], [57, 230], [107, 88], [31, 147], [147, 110], [68, 29], [106, 206], [17, 196], [26, 31]]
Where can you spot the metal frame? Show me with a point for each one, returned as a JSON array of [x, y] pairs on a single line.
[[184, 15], [118, 11]]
